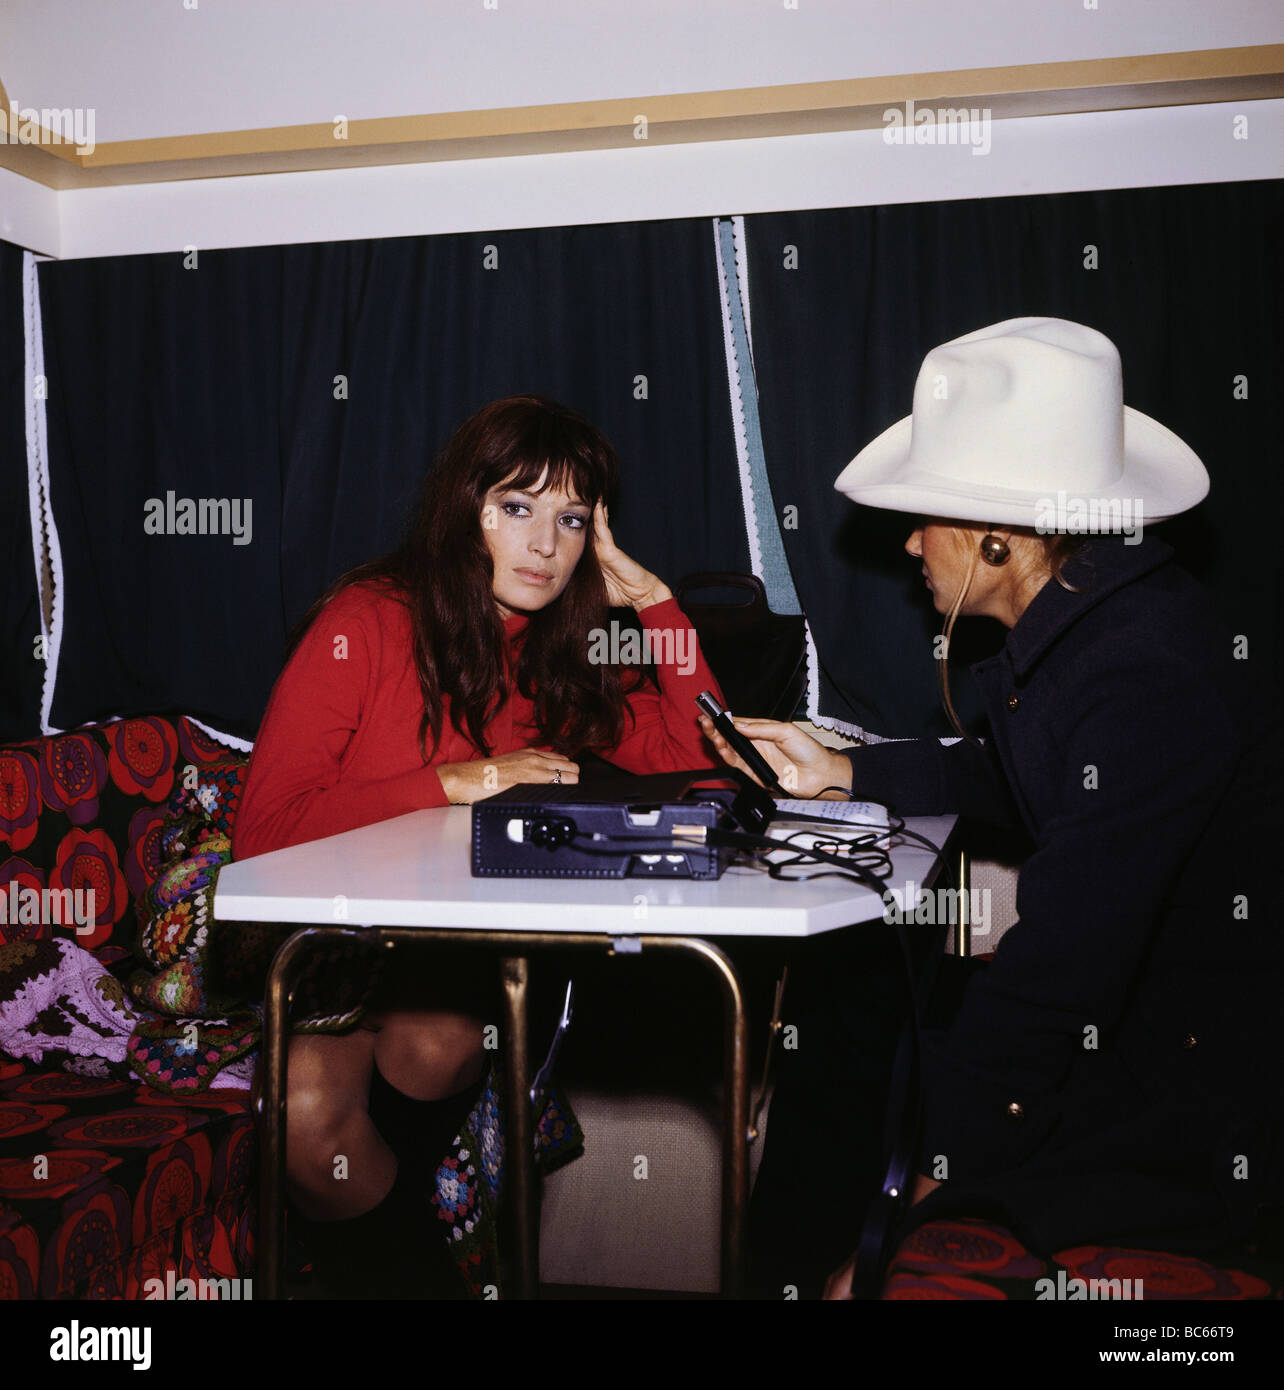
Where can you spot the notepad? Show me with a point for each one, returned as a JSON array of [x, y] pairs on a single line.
[[828, 825], [845, 812]]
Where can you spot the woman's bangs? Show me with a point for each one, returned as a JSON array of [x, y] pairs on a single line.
[[581, 479]]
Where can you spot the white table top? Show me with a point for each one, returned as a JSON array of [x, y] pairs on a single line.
[[413, 871]]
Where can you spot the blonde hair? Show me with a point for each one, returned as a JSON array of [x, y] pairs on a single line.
[[1058, 551], [943, 666]]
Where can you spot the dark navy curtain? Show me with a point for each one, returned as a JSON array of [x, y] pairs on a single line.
[[19, 595], [1188, 286], [219, 381]]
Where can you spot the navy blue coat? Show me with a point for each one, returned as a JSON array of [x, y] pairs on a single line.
[[1115, 1073]]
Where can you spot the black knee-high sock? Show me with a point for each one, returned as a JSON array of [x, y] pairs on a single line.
[[393, 1251], [418, 1131]]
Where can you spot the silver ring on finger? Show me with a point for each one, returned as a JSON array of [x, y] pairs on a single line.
[[557, 777]]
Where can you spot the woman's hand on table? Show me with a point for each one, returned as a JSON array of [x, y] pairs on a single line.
[[467, 782], [803, 766]]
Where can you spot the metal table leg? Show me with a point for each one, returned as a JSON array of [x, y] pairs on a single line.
[[272, 1120], [519, 1162], [735, 1105], [517, 1071]]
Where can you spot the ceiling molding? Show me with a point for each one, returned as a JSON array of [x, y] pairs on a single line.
[[1102, 84]]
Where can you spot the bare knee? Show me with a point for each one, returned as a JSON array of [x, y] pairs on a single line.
[[327, 1086], [429, 1054]]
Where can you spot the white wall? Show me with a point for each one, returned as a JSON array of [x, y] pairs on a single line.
[[155, 67], [29, 214], [1118, 149]]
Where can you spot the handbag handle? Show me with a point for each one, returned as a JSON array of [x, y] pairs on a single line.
[[724, 579]]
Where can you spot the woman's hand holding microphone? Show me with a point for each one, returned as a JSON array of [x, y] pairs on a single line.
[[803, 766]]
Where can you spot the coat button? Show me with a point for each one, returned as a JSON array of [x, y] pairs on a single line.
[[1189, 1041], [1013, 702], [1016, 1111]]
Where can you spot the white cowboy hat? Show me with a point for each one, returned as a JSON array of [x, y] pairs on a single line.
[[1023, 424]]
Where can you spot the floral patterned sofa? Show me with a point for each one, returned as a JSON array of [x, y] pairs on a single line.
[[974, 1260], [107, 1183]]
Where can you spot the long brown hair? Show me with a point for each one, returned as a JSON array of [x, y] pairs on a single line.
[[444, 574]]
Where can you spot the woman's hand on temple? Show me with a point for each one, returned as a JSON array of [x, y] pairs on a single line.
[[467, 782], [803, 766], [628, 585]]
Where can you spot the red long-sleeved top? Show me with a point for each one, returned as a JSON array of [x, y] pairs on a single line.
[[339, 743]]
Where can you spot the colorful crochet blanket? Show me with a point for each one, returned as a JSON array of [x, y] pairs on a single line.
[[59, 1004], [189, 1019], [200, 981], [469, 1180]]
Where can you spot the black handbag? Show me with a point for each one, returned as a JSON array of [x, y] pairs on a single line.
[[759, 657]]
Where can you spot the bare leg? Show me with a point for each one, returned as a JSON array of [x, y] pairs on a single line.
[[429, 1054], [362, 1193], [337, 1164]]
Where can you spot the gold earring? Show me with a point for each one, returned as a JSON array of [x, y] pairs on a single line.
[[994, 550]]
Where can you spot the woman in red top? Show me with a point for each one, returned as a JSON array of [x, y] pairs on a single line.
[[455, 667]]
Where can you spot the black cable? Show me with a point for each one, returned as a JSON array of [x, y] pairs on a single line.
[[757, 844], [903, 1119], [865, 850], [739, 839], [904, 1104]]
